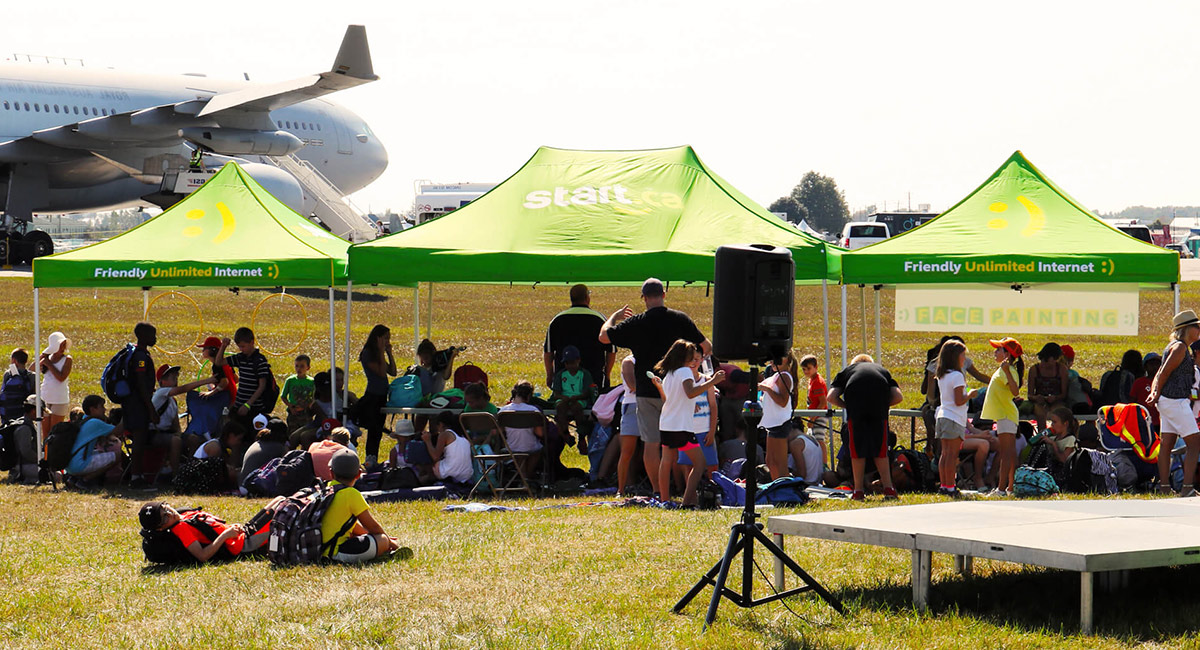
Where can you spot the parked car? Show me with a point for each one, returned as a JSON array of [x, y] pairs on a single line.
[[1137, 231], [1183, 251], [863, 233]]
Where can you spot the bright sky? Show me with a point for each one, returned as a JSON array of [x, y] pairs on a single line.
[[886, 97]]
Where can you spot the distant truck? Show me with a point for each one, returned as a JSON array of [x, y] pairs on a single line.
[[901, 222]]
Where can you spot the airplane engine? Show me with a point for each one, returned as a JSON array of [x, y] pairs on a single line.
[[235, 142], [279, 183]]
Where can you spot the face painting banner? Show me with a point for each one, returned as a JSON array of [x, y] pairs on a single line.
[[1110, 309]]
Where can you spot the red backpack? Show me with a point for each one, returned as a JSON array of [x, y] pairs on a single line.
[[469, 373]]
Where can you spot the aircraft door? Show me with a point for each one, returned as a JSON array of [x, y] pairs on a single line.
[[345, 139]]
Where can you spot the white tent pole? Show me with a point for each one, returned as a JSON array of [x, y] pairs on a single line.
[[145, 303], [37, 370], [878, 334], [844, 317], [429, 313], [825, 310], [1175, 288], [416, 318], [333, 358], [349, 302], [862, 303]]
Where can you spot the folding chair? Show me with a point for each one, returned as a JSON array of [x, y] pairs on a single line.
[[498, 461]]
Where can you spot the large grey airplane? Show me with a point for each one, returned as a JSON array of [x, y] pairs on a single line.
[[76, 139]]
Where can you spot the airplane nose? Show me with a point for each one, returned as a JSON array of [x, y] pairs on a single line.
[[379, 157]]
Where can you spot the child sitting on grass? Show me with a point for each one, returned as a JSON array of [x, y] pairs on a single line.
[[297, 394], [574, 391], [348, 525], [193, 528]]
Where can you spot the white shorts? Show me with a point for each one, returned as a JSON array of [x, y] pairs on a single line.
[[1175, 416], [1005, 425], [60, 410]]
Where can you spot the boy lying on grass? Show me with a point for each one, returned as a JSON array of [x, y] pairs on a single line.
[[195, 530]]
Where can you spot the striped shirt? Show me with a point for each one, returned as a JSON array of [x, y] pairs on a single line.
[[252, 370]]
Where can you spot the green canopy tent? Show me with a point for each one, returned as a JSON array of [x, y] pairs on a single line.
[[603, 217], [228, 233], [1016, 229]]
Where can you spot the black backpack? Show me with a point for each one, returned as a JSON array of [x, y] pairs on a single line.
[[59, 447], [164, 547], [13, 392], [294, 472], [114, 379], [1110, 387], [10, 456]]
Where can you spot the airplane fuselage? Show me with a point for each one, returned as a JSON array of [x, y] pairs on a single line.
[[35, 97]]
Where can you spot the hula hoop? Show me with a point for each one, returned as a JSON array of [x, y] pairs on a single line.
[[304, 312], [199, 319]]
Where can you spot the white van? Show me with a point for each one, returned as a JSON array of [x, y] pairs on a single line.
[[857, 234]]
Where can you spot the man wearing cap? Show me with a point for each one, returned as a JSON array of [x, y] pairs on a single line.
[[648, 335], [578, 326], [348, 525], [1172, 390]]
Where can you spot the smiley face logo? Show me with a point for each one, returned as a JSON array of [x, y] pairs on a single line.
[[228, 223], [1037, 217], [1108, 267]]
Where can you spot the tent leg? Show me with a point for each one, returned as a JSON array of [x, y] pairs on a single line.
[[862, 303], [416, 319], [1175, 288], [333, 356], [145, 303], [878, 333], [429, 313], [37, 370], [844, 316], [825, 312], [349, 302]]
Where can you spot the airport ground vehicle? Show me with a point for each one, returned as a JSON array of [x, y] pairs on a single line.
[[857, 234]]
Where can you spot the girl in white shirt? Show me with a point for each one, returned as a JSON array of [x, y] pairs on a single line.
[[951, 424], [779, 392], [56, 389], [680, 390]]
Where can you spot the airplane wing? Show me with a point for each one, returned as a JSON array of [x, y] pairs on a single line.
[[241, 109], [351, 68]]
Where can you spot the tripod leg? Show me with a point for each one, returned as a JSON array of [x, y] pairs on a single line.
[[737, 542], [795, 568], [707, 578]]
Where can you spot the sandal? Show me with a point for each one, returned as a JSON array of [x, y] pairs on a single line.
[[1165, 489]]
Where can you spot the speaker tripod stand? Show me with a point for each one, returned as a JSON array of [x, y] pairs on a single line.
[[742, 538]]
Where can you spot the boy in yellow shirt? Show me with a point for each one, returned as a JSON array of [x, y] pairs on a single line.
[[348, 521]]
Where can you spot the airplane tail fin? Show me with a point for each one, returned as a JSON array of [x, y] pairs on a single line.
[[354, 56]]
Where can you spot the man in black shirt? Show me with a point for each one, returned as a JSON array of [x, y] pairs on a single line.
[[648, 335], [579, 326], [138, 408], [866, 390]]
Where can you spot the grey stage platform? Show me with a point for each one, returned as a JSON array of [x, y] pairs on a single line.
[[1090, 537]]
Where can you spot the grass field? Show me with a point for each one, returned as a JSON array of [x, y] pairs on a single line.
[[72, 574]]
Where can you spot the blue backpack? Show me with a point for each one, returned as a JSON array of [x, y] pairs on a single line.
[[115, 378], [1029, 482], [404, 392]]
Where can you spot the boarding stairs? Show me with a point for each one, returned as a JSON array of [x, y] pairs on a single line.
[[337, 213]]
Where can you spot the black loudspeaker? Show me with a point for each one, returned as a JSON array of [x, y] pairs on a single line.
[[753, 302]]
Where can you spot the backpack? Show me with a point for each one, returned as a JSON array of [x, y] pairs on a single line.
[[296, 527], [165, 547], [788, 490], [13, 392], [10, 455], [448, 399], [263, 481], [924, 474], [59, 447], [469, 373], [114, 380], [404, 392], [1029, 482], [294, 472], [200, 476], [1110, 387]]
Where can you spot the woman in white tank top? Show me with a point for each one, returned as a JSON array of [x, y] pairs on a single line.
[[777, 414], [451, 453], [56, 390]]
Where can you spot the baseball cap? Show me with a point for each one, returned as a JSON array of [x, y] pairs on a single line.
[[1068, 352], [150, 515], [570, 353], [653, 287], [1151, 356], [1010, 344], [260, 422], [163, 370], [344, 463], [404, 428], [329, 424], [210, 342]]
